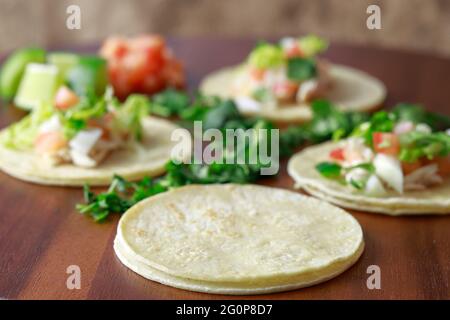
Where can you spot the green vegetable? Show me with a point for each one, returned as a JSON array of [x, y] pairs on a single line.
[[369, 167], [266, 56], [64, 61], [416, 145], [381, 121], [88, 77], [384, 121], [123, 194], [334, 171], [21, 135], [14, 67], [220, 114], [169, 102], [417, 114], [129, 115], [327, 120], [262, 95], [329, 170], [38, 85], [312, 45], [300, 69], [87, 109]]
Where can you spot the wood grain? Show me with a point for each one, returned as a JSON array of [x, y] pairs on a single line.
[[41, 234]]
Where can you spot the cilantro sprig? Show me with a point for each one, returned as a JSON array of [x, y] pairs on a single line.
[[220, 114]]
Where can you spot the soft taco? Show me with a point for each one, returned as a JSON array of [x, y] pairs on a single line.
[[278, 82], [237, 239], [79, 140], [387, 165]]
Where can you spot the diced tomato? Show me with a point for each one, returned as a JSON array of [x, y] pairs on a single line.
[[337, 154], [285, 90], [387, 143], [120, 50], [103, 124], [257, 74], [443, 165], [408, 167], [173, 74], [293, 51], [49, 142], [65, 98], [142, 64]]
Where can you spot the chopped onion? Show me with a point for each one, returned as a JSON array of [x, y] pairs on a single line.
[[423, 127], [374, 187], [85, 140], [288, 42], [357, 175], [403, 127], [307, 89], [247, 104], [51, 125], [389, 170], [82, 160]]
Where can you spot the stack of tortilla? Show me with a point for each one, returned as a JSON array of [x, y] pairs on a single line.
[[237, 239]]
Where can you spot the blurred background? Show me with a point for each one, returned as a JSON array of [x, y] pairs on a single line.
[[406, 24]]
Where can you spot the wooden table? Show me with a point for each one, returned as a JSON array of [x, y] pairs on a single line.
[[41, 234]]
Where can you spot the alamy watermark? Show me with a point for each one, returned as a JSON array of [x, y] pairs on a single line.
[[73, 20], [373, 21], [74, 279], [374, 280]]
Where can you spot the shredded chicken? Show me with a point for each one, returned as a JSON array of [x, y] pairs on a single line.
[[422, 178]]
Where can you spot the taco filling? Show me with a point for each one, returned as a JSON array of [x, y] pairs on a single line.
[[284, 73], [387, 154], [78, 130]]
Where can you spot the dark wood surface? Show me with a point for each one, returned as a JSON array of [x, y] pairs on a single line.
[[41, 234]]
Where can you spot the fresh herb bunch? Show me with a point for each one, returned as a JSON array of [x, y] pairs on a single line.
[[123, 194], [221, 114], [417, 114], [418, 145]]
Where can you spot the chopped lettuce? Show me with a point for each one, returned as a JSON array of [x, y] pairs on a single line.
[[266, 56], [130, 114], [416, 145], [86, 110], [312, 45], [262, 95], [21, 135]]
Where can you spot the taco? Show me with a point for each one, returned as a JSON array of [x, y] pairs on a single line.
[[278, 82], [87, 141], [236, 239], [387, 166]]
